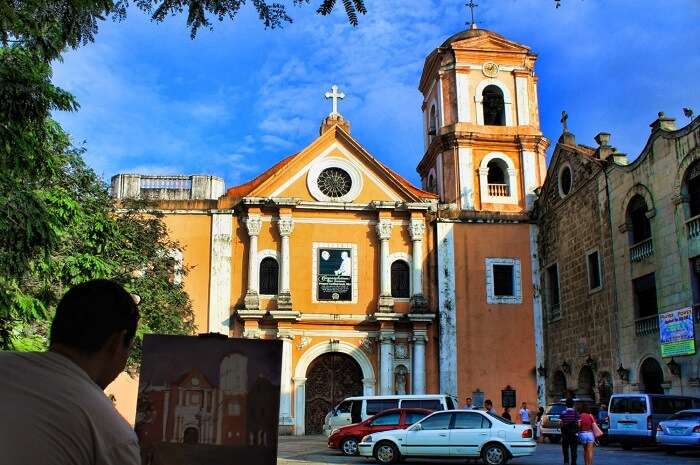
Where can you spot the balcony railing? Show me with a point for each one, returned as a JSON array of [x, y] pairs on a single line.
[[693, 227], [641, 250], [499, 190], [647, 325]]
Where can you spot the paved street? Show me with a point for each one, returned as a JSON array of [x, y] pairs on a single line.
[[312, 450]]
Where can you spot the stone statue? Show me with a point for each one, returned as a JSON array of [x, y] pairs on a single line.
[[400, 380]]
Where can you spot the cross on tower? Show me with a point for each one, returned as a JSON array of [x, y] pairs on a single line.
[[471, 6], [335, 95]]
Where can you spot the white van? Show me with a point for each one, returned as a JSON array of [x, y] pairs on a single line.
[[356, 409], [634, 417]]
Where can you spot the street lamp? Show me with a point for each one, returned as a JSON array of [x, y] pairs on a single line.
[[623, 373], [674, 368]]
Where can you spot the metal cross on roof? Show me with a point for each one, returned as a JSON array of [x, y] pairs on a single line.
[[471, 6], [335, 94]]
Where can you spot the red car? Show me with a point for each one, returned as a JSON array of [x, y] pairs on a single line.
[[347, 437]]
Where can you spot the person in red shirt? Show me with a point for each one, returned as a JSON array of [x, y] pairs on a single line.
[[585, 435]]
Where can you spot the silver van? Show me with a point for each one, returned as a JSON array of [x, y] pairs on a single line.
[[357, 409], [634, 417]]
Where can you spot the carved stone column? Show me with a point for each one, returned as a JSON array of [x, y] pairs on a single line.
[[386, 367], [386, 302], [419, 340], [286, 419], [417, 230], [284, 298], [253, 224]]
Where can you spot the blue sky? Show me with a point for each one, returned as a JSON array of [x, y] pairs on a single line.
[[235, 100]]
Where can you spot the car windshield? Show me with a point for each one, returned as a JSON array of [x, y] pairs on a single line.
[[500, 418], [686, 416], [556, 409]]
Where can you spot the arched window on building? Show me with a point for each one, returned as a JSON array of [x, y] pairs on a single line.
[[269, 276], [494, 106], [400, 279], [651, 377], [432, 121], [497, 178], [639, 224], [692, 187]]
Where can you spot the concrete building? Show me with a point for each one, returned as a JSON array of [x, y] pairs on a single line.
[[639, 223]]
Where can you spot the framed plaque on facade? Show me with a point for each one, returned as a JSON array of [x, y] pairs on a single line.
[[508, 397], [334, 277]]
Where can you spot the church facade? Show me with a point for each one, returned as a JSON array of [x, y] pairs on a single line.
[[376, 286]]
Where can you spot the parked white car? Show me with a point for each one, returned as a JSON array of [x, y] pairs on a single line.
[[457, 433]]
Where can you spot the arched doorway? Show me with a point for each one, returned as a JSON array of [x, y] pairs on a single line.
[[559, 385], [651, 376], [586, 384], [330, 378], [190, 436]]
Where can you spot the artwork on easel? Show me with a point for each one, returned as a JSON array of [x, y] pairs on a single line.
[[208, 400]]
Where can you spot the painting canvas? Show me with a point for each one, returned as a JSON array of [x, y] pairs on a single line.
[[208, 400]]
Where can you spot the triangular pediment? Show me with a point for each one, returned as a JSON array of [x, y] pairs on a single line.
[[490, 43], [335, 151]]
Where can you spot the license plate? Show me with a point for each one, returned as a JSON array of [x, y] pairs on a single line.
[[626, 425]]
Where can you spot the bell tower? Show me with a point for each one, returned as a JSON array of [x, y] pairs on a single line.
[[484, 150]]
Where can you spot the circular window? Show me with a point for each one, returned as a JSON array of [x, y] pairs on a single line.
[[334, 182], [565, 180]]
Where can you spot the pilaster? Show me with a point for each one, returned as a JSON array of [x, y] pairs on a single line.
[[253, 225], [285, 225], [386, 302]]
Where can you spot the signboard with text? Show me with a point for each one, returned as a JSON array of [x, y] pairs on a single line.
[[334, 281], [677, 333]]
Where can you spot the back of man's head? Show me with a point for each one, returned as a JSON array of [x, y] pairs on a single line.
[[91, 312], [570, 403]]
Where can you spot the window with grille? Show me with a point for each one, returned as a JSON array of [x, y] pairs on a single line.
[[645, 295], [638, 220], [400, 284], [269, 276], [503, 280], [594, 280]]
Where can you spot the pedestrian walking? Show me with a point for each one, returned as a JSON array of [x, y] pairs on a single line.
[[488, 407], [53, 402], [568, 420], [538, 423], [506, 414], [524, 414], [585, 435]]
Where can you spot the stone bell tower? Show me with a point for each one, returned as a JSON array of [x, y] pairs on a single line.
[[484, 150]]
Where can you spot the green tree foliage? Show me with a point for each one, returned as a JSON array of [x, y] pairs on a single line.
[[58, 225]]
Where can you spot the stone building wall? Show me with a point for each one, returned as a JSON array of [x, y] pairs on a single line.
[[657, 176], [579, 333]]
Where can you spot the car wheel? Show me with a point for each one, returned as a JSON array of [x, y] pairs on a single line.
[[670, 450], [555, 439], [494, 454], [349, 446], [386, 452]]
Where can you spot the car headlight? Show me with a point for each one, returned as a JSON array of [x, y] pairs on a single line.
[[335, 431], [367, 438]]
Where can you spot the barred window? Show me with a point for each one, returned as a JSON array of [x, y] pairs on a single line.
[[269, 276], [400, 279]]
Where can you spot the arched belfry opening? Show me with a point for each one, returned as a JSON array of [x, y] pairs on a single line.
[[494, 106]]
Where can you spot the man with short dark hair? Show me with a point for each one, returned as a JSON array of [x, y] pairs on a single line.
[[488, 407], [53, 402], [569, 432], [468, 404]]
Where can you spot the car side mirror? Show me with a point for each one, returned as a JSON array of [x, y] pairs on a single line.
[[416, 427]]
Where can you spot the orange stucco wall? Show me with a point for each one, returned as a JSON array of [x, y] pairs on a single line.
[[193, 233], [496, 344]]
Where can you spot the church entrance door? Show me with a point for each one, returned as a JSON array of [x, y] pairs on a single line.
[[329, 379]]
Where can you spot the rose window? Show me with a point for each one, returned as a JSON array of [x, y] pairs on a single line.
[[334, 182]]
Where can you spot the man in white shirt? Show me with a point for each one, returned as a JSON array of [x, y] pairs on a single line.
[[53, 404], [524, 414]]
